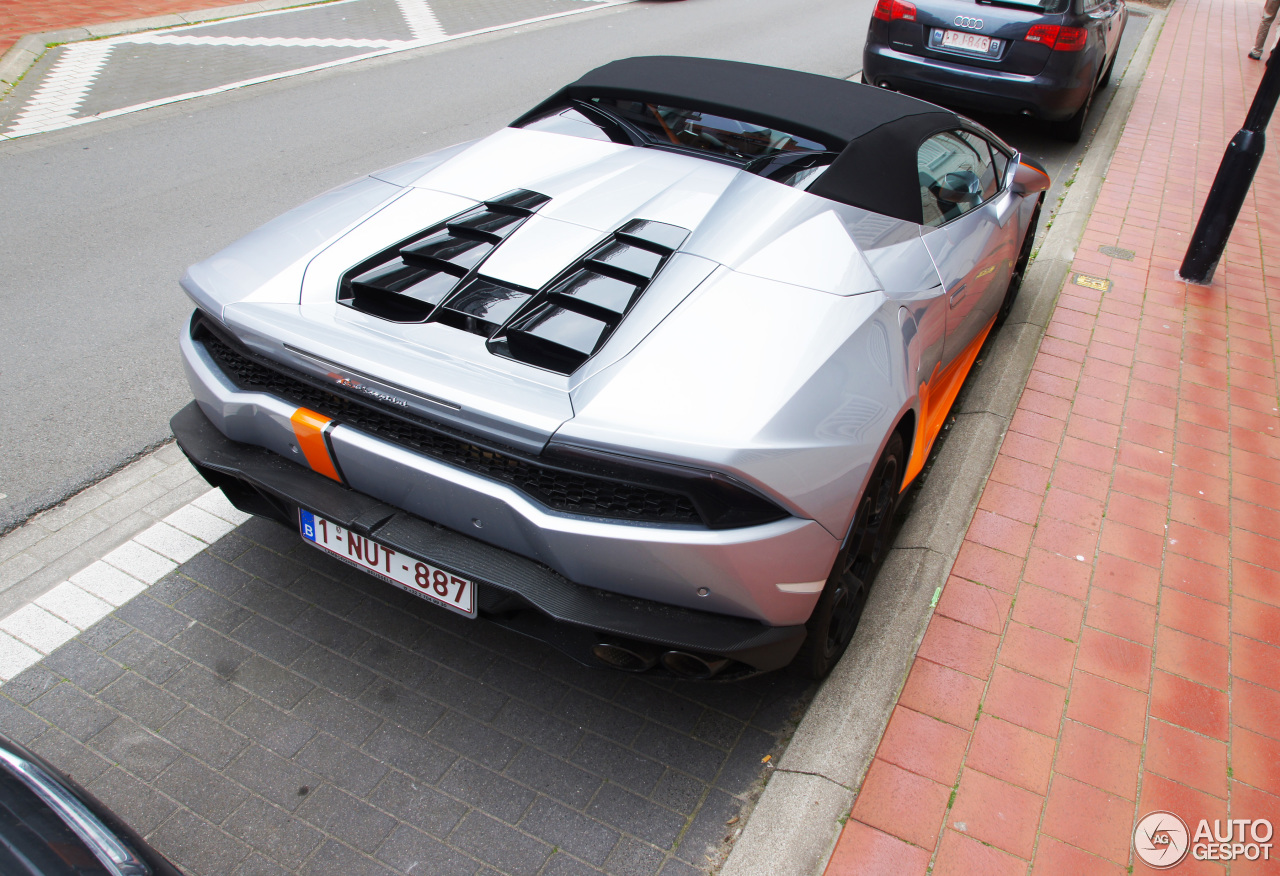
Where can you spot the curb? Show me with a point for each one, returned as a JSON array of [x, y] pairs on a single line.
[[38, 628], [797, 820], [29, 49], [51, 546]]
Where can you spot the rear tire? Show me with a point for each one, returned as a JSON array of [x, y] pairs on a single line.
[[1106, 77], [1020, 266], [1073, 129], [835, 617]]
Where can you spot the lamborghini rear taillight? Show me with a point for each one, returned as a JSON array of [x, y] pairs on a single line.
[[892, 10], [1060, 38]]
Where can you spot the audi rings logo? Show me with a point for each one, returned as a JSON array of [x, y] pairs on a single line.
[[1161, 840], [971, 23]]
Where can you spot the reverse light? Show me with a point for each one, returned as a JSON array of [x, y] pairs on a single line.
[[1060, 38], [892, 10]]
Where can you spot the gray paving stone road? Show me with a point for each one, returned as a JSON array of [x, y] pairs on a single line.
[[265, 709], [81, 81]]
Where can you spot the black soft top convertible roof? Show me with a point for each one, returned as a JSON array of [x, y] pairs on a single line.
[[877, 133]]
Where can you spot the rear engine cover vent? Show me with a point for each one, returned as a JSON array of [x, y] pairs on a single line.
[[408, 281], [563, 325], [482, 305]]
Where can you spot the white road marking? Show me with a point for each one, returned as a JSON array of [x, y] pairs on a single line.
[[422, 22], [58, 616], [158, 39], [64, 88], [57, 122], [37, 628], [77, 607]]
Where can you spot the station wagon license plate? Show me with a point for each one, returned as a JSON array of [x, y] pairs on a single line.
[[969, 42], [416, 576]]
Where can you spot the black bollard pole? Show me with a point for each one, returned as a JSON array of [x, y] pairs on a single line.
[[1230, 186]]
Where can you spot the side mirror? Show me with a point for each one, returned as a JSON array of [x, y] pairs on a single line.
[[959, 187], [1029, 178]]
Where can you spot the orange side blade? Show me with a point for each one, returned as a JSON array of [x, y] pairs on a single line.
[[308, 428], [936, 398]]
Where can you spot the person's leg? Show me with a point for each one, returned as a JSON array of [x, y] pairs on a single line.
[[1264, 27]]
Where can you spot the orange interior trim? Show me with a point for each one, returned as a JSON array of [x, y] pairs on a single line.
[[308, 428], [936, 397]]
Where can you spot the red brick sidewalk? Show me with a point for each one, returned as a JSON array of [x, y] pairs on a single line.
[[1107, 643], [21, 17]]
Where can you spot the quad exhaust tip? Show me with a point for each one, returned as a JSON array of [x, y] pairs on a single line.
[[624, 657], [639, 658]]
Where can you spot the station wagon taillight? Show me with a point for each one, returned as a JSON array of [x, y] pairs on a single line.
[[1060, 38], [892, 10]]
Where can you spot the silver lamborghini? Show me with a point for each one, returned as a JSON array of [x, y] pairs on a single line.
[[642, 375]]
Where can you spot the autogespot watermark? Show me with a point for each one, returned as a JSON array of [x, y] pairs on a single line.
[[1162, 840]]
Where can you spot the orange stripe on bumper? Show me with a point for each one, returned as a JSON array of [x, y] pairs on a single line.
[[308, 428]]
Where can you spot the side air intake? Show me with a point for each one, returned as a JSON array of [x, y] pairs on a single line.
[[561, 327], [408, 281]]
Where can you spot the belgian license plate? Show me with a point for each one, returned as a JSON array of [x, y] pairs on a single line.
[[969, 42], [418, 577]]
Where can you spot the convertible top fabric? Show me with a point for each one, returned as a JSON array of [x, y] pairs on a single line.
[[876, 132]]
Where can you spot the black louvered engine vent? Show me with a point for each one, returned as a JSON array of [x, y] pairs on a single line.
[[410, 281], [557, 487], [435, 276], [565, 323]]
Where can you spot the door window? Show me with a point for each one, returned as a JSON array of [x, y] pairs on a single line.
[[956, 175]]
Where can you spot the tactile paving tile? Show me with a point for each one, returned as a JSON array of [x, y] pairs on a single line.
[[13, 103]]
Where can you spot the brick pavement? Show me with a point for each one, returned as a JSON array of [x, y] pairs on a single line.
[[21, 17], [265, 709], [1108, 642]]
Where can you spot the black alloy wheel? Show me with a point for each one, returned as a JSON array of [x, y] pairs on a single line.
[[1073, 129], [1106, 77], [835, 617], [1020, 266]]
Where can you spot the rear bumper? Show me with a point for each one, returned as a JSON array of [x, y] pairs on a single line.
[[513, 591], [755, 572], [1048, 96]]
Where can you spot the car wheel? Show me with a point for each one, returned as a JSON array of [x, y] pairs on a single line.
[[1020, 266], [1072, 129], [835, 617], [1106, 77]]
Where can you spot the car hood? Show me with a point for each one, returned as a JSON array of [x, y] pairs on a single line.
[[276, 289]]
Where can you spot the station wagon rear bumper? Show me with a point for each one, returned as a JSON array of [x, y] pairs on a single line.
[[1043, 96]]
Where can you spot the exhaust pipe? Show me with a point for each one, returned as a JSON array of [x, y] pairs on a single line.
[[624, 657], [688, 665]]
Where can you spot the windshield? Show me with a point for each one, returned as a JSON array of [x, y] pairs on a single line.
[[692, 129]]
